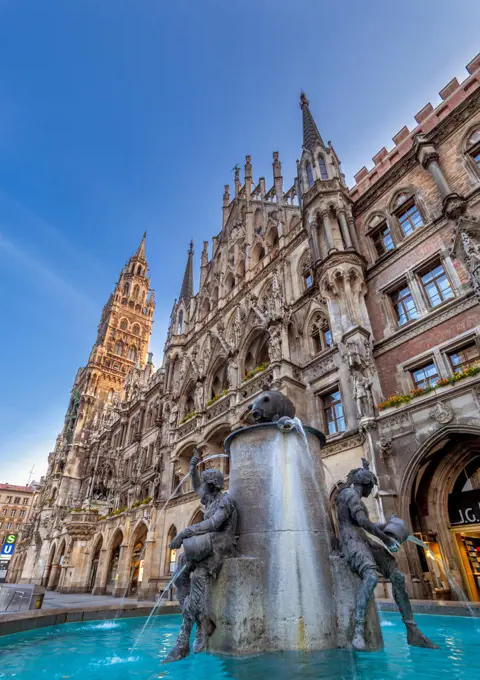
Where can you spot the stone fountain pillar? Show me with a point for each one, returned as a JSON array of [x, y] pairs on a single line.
[[287, 589]]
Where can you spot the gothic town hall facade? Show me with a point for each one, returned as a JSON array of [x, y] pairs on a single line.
[[361, 304]]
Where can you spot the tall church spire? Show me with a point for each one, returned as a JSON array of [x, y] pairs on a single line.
[[141, 253], [186, 292], [311, 134]]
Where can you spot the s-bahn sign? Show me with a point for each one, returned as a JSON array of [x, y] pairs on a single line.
[[8, 547], [464, 508]]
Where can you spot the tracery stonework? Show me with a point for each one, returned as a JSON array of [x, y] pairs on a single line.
[[290, 298]]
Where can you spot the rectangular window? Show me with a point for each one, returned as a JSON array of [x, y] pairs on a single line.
[[25, 501], [462, 358], [333, 412], [22, 513], [476, 157], [404, 305], [17, 500], [327, 336], [9, 525], [436, 286], [9, 499], [308, 280], [382, 240], [426, 376], [1, 525], [409, 218], [13, 513], [4, 512]]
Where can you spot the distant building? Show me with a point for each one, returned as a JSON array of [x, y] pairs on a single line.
[[361, 304], [15, 508]]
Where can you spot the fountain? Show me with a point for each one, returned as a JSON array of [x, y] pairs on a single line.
[[265, 572]]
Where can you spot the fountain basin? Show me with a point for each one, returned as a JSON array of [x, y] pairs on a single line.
[[100, 650]]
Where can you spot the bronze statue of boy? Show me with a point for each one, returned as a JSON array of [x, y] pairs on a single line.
[[369, 559], [206, 545]]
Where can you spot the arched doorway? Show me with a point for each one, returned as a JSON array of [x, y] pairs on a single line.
[[137, 560], [94, 566], [48, 571], [172, 555], [445, 515], [58, 567], [112, 573]]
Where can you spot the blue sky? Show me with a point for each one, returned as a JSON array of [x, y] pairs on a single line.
[[119, 116]]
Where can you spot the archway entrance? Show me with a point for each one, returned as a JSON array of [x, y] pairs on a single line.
[[94, 567], [445, 514], [112, 576], [138, 560], [48, 571]]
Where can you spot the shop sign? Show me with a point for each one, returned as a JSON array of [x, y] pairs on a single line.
[[464, 508], [8, 547], [140, 570]]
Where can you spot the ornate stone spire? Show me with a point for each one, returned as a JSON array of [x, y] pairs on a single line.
[[311, 134], [141, 253], [186, 292]]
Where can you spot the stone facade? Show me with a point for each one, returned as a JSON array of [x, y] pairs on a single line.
[[338, 297]]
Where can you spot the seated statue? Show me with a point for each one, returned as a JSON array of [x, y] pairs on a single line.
[[206, 545], [369, 559]]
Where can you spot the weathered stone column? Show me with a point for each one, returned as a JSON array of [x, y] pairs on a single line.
[[428, 157], [342, 220], [327, 227]]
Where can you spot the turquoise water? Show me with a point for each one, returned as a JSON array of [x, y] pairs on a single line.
[[100, 650]]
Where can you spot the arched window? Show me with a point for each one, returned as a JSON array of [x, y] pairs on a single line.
[[308, 168], [473, 147], [119, 348], [180, 322], [139, 270], [126, 288], [123, 324], [229, 282], [320, 334], [136, 329], [407, 213], [322, 167], [132, 353], [110, 396], [258, 253], [136, 291], [205, 307]]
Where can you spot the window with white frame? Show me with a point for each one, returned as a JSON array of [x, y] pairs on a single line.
[[407, 214]]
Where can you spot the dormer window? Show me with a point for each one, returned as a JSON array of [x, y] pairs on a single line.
[[322, 167], [309, 170]]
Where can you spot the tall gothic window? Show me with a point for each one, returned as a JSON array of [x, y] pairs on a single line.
[[320, 334], [132, 353], [118, 348], [322, 167], [180, 322], [308, 168]]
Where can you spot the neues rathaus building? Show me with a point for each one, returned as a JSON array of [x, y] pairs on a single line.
[[361, 304]]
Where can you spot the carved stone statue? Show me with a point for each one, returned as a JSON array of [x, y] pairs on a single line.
[[198, 397], [362, 393], [205, 546], [370, 559], [275, 344], [232, 373], [472, 259]]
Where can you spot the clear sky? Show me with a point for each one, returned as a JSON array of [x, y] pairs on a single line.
[[119, 116]]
